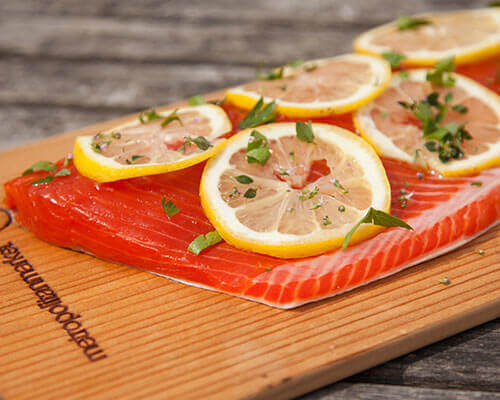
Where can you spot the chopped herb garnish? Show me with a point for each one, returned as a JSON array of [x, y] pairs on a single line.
[[445, 281], [196, 100], [201, 142], [243, 179], [337, 184], [169, 207], [394, 58], [480, 252], [478, 183], [308, 194], [283, 87], [259, 115], [63, 172], [275, 73], [291, 210], [304, 131], [250, 193], [116, 135], [295, 63], [376, 217], [316, 206], [284, 172], [326, 221], [171, 117], [406, 184], [268, 269], [40, 166], [67, 159], [460, 108], [443, 139], [203, 241], [257, 148], [47, 179], [406, 22], [341, 208], [292, 155], [384, 114], [149, 116], [234, 193], [404, 74], [135, 158], [440, 75]]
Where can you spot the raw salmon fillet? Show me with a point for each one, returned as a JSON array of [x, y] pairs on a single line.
[[124, 222]]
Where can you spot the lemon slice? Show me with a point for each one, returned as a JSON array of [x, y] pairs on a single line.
[[469, 35], [152, 144], [316, 88], [397, 133], [303, 200]]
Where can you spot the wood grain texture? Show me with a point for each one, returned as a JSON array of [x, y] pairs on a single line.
[[191, 343], [46, 92]]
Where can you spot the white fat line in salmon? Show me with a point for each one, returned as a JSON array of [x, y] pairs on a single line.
[[50, 301]]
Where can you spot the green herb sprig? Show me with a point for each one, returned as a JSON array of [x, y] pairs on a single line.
[[376, 217], [204, 241], [259, 115], [201, 142], [406, 22], [443, 139], [169, 207], [304, 131], [258, 148], [394, 58], [441, 76]]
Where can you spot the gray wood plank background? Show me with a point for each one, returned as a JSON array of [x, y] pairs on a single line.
[[65, 64]]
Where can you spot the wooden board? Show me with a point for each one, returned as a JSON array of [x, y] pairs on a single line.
[[152, 338]]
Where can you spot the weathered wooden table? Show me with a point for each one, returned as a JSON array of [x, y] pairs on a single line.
[[65, 64]]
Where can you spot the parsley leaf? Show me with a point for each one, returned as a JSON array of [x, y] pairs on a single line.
[[196, 100], [444, 139], [460, 108], [40, 166], [276, 73], [169, 207], [257, 149], [259, 115], [406, 22], [244, 179], [63, 172], [201, 142], [47, 179], [376, 217], [295, 63], [394, 58], [148, 116], [477, 183], [250, 193], [203, 241], [440, 75], [171, 117], [304, 131]]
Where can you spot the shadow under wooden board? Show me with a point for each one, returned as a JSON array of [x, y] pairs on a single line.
[[143, 336]]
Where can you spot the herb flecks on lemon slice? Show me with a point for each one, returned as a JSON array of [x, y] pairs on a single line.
[[317, 88], [154, 143], [293, 190], [453, 129], [469, 35]]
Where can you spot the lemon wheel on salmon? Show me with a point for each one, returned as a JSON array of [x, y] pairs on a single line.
[[154, 143], [454, 130], [468, 35], [317, 88], [291, 192]]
